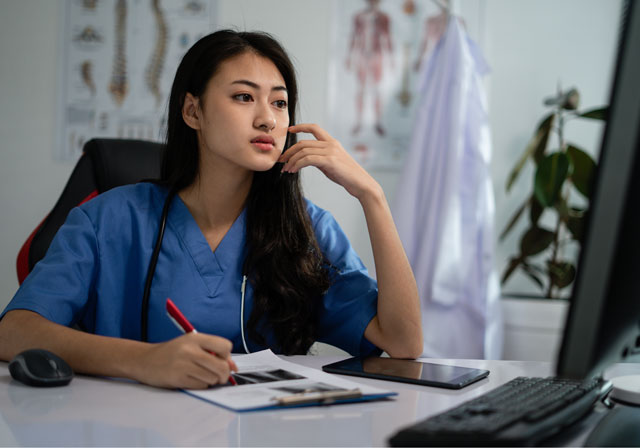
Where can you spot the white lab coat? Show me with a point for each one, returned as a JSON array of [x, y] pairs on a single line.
[[444, 204]]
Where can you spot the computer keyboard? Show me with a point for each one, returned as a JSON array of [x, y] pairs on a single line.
[[523, 411]]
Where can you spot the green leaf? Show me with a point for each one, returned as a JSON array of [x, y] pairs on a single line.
[[535, 148], [514, 219], [550, 177], [544, 130], [535, 240], [577, 212], [533, 275], [561, 273], [584, 167], [535, 211], [600, 113], [511, 267], [575, 225]]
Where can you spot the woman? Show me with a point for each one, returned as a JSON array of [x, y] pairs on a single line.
[[244, 255]]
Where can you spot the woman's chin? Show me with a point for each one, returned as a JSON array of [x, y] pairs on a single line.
[[264, 165]]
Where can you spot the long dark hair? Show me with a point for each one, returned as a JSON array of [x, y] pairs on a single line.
[[283, 261]]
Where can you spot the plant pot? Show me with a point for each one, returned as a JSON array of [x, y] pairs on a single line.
[[533, 327]]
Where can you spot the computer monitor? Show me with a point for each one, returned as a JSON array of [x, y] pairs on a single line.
[[603, 322]]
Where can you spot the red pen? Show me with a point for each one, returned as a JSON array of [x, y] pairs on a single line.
[[183, 324]]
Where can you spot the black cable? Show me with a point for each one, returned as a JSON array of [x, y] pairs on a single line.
[[144, 315]]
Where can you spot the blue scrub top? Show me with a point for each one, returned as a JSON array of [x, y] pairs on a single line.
[[94, 271]]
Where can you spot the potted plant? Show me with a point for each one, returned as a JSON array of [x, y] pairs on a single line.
[[562, 174], [555, 210]]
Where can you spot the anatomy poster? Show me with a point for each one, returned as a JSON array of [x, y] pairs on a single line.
[[118, 60], [377, 51]]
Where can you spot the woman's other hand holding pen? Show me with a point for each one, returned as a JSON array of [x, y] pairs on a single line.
[[186, 362]]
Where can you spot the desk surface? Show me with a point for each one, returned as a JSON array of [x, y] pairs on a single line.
[[99, 412]]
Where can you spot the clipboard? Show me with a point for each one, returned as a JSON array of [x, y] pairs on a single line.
[[280, 384]]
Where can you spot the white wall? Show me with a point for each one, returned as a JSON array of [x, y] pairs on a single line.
[[530, 45], [30, 180]]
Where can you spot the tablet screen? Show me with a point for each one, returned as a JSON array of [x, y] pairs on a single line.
[[438, 375]]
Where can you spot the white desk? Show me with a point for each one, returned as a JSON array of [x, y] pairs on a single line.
[[104, 412]]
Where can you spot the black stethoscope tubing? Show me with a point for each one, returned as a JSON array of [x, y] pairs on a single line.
[[144, 315]]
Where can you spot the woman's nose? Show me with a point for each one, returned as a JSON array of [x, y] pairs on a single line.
[[265, 120]]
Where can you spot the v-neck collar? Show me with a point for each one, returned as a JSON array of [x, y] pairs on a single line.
[[210, 264]]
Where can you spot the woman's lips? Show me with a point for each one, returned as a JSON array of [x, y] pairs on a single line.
[[264, 143], [263, 146]]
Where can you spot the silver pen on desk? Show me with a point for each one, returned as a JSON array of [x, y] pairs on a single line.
[[326, 397]]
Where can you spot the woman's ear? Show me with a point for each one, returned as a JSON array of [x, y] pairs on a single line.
[[190, 111]]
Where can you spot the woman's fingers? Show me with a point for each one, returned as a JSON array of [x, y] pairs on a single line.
[[294, 149], [209, 371], [307, 156], [302, 149], [328, 155], [222, 348], [325, 153], [306, 152], [193, 360], [312, 129], [215, 357], [215, 344]]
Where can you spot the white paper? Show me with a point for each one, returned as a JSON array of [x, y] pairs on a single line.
[[275, 378]]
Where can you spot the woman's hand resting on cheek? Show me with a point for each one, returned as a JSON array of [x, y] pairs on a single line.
[[396, 328], [327, 154]]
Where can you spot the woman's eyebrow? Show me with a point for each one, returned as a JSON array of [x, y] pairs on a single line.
[[256, 86]]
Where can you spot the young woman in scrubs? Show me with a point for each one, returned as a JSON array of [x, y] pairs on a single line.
[[248, 260]]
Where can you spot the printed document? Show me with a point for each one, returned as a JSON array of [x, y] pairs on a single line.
[[267, 382]]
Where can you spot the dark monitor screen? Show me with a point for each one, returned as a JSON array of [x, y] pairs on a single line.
[[603, 323]]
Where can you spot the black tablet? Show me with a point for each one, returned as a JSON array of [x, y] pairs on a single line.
[[408, 371]]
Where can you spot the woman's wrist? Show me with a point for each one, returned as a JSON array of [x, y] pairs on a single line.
[[136, 361], [372, 195]]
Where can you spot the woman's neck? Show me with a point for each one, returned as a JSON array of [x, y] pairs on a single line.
[[218, 196]]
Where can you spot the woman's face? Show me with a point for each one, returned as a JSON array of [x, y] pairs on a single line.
[[242, 118]]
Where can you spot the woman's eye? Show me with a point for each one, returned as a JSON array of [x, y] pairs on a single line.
[[245, 97], [280, 104]]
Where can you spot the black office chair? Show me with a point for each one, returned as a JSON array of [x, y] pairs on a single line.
[[104, 164]]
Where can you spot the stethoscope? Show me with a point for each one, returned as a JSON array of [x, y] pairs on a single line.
[[144, 315]]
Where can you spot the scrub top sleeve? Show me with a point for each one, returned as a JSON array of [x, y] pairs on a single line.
[[60, 285], [351, 301]]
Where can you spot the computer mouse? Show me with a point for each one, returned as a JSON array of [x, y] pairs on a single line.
[[40, 368]]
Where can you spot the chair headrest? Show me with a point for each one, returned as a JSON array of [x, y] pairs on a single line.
[[120, 162]]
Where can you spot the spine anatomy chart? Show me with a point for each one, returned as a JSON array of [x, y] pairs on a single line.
[[118, 87], [154, 69], [115, 55]]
